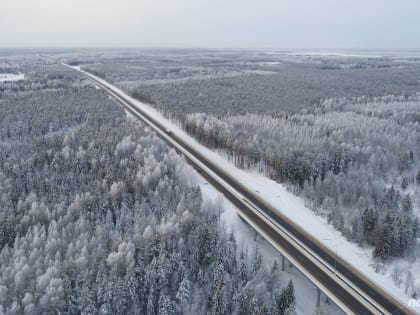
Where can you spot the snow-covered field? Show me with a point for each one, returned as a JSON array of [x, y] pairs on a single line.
[[292, 206], [8, 77]]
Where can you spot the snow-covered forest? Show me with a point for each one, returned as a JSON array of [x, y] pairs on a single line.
[[240, 82], [342, 132], [354, 160], [99, 216]]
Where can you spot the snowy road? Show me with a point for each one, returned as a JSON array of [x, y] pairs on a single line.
[[345, 285]]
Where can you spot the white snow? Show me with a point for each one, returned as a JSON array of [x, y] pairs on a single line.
[[9, 77], [288, 204]]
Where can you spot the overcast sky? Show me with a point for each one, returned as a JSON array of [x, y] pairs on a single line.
[[358, 24]]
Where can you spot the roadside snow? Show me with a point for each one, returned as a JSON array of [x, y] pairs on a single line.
[[288, 204]]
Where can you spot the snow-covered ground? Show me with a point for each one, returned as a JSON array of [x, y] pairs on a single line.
[[8, 77], [290, 205]]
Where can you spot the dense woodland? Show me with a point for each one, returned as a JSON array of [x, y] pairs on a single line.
[[223, 82], [342, 132], [354, 160], [98, 216]]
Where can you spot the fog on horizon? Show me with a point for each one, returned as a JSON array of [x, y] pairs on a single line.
[[357, 24]]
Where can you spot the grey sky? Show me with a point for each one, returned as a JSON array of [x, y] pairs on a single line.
[[389, 24]]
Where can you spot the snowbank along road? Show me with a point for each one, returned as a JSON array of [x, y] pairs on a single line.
[[341, 282]]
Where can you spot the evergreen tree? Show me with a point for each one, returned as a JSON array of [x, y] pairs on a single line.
[[407, 204]]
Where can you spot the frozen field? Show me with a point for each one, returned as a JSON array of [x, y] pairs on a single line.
[[10, 77]]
